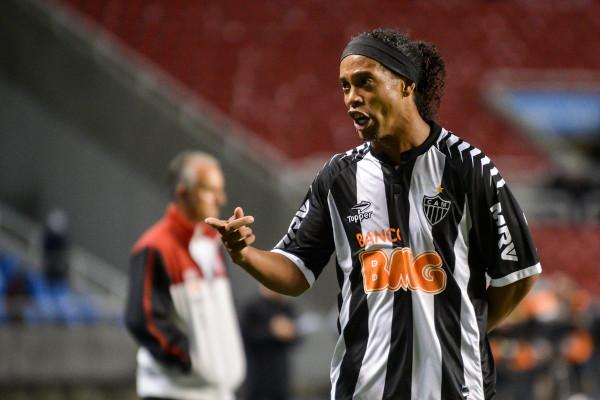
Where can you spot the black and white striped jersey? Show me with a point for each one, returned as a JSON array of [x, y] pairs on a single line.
[[416, 246]]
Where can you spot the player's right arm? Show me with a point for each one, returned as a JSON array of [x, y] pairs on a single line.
[[271, 269]]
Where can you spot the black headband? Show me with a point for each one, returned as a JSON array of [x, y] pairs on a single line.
[[388, 56]]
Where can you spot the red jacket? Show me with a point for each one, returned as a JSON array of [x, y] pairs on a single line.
[[158, 261]]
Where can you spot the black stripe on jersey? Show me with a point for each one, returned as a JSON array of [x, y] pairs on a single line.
[[356, 332], [399, 368], [488, 369], [340, 279], [482, 253], [448, 303], [469, 163]]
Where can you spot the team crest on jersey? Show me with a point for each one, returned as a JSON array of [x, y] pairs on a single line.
[[435, 208]]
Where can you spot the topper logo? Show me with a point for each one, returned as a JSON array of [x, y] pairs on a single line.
[[361, 212], [400, 270]]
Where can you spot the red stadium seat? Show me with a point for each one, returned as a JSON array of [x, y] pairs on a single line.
[[272, 64]]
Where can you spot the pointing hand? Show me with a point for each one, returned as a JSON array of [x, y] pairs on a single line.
[[236, 236]]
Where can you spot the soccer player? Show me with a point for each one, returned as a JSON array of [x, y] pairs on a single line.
[[432, 250]]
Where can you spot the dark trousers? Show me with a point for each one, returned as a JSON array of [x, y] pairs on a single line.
[[156, 398]]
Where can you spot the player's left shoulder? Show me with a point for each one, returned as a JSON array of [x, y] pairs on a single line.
[[463, 155]]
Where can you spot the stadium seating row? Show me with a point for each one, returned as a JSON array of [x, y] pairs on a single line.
[[571, 250], [272, 65], [26, 296]]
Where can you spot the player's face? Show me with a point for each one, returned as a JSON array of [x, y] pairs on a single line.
[[207, 197], [373, 95]]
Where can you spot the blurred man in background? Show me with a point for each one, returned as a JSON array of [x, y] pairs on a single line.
[[418, 220], [56, 246], [179, 307], [269, 331]]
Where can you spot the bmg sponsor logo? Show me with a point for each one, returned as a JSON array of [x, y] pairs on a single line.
[[397, 269]]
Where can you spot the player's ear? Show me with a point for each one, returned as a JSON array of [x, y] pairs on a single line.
[[180, 190], [408, 87]]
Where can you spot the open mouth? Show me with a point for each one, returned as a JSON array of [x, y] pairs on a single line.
[[360, 120]]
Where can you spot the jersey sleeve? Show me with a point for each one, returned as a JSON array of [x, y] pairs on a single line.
[[309, 239], [500, 230], [149, 311]]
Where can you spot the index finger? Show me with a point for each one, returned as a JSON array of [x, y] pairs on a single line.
[[216, 223], [229, 226], [235, 224]]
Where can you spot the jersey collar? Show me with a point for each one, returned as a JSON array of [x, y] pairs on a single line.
[[183, 227], [411, 155]]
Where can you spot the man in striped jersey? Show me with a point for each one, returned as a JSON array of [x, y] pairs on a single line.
[[432, 250]]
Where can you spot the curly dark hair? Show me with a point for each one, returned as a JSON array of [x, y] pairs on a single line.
[[430, 67]]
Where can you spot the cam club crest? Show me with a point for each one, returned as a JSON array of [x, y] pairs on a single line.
[[435, 208]]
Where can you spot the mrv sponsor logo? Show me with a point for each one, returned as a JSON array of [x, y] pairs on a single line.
[[294, 225], [362, 213], [505, 242]]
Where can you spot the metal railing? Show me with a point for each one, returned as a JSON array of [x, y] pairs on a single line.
[[22, 237]]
